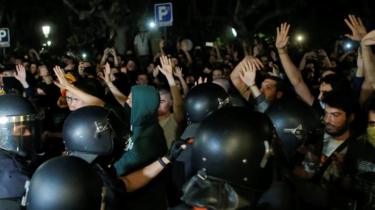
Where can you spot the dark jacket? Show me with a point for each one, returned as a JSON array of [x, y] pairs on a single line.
[[13, 175]]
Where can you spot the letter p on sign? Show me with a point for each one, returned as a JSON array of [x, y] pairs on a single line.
[[163, 14], [4, 37]]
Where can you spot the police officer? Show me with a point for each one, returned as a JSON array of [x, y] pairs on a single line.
[[299, 129], [99, 137], [231, 156], [65, 183], [300, 142], [96, 135], [19, 142], [200, 102]]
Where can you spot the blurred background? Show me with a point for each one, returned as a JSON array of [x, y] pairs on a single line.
[[95, 24]]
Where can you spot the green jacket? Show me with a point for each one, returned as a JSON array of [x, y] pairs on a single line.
[[147, 135], [149, 144]]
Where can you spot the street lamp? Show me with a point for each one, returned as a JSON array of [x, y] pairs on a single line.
[[46, 30], [151, 24], [234, 32], [300, 38], [84, 56]]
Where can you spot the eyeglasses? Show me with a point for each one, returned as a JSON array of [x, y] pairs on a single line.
[[71, 99]]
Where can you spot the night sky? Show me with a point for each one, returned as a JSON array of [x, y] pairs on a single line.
[[322, 21]]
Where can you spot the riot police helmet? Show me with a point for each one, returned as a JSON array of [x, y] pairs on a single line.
[[296, 124], [92, 131], [233, 146], [204, 99], [20, 125], [64, 183]]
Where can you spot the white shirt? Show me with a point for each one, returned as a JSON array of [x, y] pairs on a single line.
[[330, 144], [141, 44]]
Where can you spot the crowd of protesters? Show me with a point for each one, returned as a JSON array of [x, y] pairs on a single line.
[[150, 90]]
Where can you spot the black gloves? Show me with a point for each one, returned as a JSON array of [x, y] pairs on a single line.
[[177, 147]]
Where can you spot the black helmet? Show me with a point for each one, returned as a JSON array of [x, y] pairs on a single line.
[[204, 99], [94, 131], [296, 123], [234, 144], [64, 183], [19, 125]]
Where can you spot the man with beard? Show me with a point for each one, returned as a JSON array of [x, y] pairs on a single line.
[[325, 186]]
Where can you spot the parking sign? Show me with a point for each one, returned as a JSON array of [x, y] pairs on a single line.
[[163, 14], [4, 37]]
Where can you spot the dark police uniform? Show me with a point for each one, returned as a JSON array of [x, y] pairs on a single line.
[[13, 175]]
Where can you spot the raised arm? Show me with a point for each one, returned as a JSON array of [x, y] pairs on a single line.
[[119, 96], [104, 57], [369, 39], [167, 71], [236, 79], [248, 75], [178, 74], [359, 34], [35, 53], [64, 84], [161, 50], [302, 63], [112, 51], [368, 58], [292, 72], [21, 76], [365, 88]]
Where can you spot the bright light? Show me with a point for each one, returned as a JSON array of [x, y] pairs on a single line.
[[3, 120], [300, 38], [348, 45], [46, 30], [151, 24], [84, 55], [49, 42], [234, 32]]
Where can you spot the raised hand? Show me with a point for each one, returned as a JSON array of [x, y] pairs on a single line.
[[166, 67], [112, 51], [155, 71], [40, 91], [107, 73], [253, 60], [106, 51], [201, 81], [369, 39], [178, 72], [356, 26], [62, 82], [248, 73], [21, 73], [282, 37], [322, 53]]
